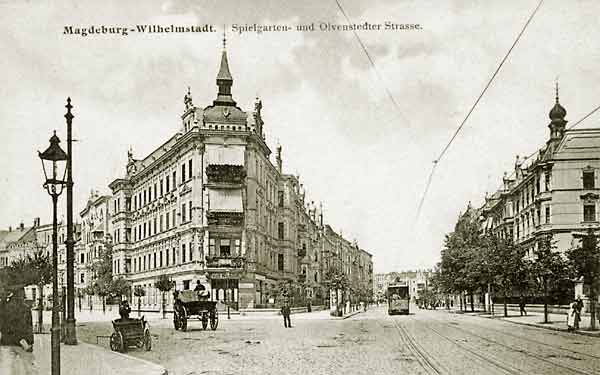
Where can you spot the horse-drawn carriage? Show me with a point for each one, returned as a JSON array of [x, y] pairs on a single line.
[[130, 332], [189, 304]]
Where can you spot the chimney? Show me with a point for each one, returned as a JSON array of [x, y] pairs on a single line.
[[279, 161], [36, 222], [22, 226], [10, 229]]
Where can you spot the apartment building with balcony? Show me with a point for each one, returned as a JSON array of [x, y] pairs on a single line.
[[555, 191], [209, 205]]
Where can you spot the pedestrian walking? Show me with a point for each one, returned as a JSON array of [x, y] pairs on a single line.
[[578, 308], [285, 311], [572, 316], [522, 304]]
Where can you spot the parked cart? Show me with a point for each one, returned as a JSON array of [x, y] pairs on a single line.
[[130, 332]]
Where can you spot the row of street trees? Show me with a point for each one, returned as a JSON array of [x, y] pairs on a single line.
[[475, 263]]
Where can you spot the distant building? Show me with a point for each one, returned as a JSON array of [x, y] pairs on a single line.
[[417, 281]]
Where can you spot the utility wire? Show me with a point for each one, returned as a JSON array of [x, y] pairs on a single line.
[[441, 155], [584, 117], [379, 76]]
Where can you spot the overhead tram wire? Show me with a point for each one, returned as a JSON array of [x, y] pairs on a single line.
[[441, 155], [366, 52], [584, 118]]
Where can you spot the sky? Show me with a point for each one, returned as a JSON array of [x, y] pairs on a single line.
[[365, 158]]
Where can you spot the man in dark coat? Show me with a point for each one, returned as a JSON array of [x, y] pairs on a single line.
[[16, 322], [285, 311]]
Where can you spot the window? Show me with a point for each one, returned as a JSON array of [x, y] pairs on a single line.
[[183, 213], [236, 248], [211, 246], [190, 208], [182, 253], [161, 224], [154, 226], [167, 184], [280, 228], [174, 179], [547, 177], [161, 187], [225, 248], [280, 198], [167, 221], [82, 258], [174, 217], [589, 212], [154, 263], [191, 252], [144, 196], [183, 173], [167, 257], [174, 256], [144, 230], [155, 191], [190, 168], [186, 284], [588, 180], [81, 278], [280, 262]]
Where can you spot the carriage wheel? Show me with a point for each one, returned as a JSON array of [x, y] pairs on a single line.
[[204, 321], [176, 324], [214, 320], [147, 340], [116, 342], [183, 322]]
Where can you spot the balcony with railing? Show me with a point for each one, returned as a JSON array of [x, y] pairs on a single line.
[[225, 174], [213, 261], [230, 218]]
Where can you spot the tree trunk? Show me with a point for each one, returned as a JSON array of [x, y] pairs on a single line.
[[139, 305], [41, 310], [460, 301], [505, 304], [472, 303], [164, 313], [104, 304], [545, 300], [593, 299]]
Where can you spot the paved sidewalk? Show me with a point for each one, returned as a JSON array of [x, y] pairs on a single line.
[[557, 322], [75, 360]]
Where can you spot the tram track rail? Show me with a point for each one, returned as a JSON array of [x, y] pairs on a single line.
[[542, 343], [516, 349], [420, 354]]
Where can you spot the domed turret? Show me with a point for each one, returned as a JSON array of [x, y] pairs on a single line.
[[558, 112]]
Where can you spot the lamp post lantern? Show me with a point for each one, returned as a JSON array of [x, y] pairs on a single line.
[[54, 163], [70, 333]]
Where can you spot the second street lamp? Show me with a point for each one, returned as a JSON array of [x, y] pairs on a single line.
[[54, 165]]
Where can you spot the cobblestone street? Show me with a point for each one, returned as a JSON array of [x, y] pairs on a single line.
[[426, 342]]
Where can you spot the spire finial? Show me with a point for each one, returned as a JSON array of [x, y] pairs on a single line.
[[556, 85], [224, 38]]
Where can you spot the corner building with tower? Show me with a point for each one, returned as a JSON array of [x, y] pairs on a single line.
[[209, 205]]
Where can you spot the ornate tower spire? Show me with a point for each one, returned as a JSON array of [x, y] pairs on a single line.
[[557, 118], [224, 79]]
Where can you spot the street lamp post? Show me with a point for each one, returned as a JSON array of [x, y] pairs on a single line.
[[70, 334], [53, 161]]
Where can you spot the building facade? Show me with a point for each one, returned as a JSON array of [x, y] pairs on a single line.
[[209, 205], [554, 191]]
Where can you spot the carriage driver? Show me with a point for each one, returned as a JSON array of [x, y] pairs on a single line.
[[201, 290]]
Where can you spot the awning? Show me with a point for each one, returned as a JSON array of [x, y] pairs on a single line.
[[225, 200]]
